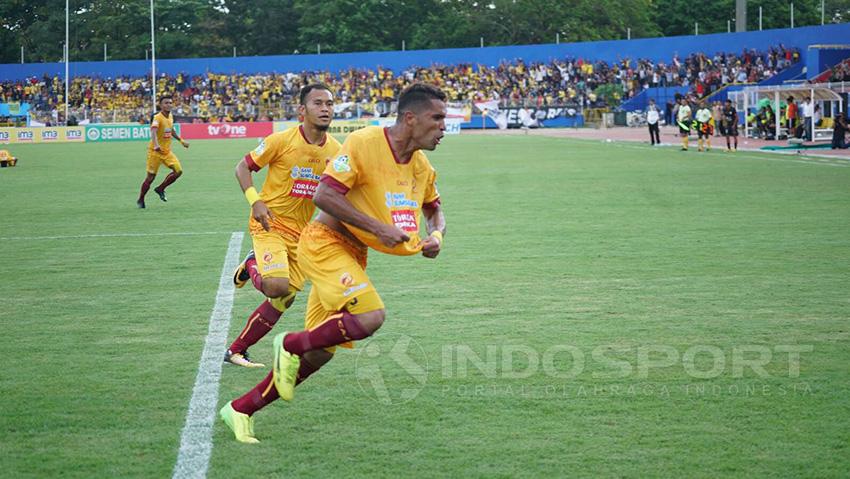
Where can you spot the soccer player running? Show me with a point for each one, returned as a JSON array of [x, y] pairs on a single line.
[[159, 151], [295, 158], [370, 196], [704, 127], [683, 119], [730, 124]]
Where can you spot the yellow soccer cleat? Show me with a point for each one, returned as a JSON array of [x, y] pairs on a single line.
[[284, 369], [241, 359], [241, 274], [242, 425]]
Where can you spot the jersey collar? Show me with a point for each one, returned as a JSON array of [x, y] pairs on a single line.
[[390, 145], [301, 130]]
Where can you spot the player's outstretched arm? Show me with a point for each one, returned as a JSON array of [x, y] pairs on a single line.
[[259, 210], [181, 140], [337, 205], [435, 222]]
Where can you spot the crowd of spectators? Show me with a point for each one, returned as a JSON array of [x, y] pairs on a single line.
[[841, 72], [234, 97]]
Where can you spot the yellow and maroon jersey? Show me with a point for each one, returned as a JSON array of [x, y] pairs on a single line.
[[295, 166], [367, 171], [164, 128]]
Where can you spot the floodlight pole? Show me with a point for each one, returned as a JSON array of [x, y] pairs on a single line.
[[153, 62], [104, 52], [22, 53], [67, 17], [759, 18], [696, 28], [792, 14], [822, 10]]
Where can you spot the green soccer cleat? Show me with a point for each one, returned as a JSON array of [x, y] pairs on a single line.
[[284, 369], [242, 425], [241, 274]]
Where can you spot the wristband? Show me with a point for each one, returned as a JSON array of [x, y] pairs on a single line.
[[439, 235], [252, 196]]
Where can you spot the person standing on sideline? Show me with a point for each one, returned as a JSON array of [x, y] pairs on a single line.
[[839, 131], [730, 125], [808, 111], [791, 116], [653, 116], [683, 119], [704, 127]]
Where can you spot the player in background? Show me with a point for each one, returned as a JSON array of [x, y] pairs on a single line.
[[653, 116], [159, 151], [370, 196], [730, 124], [704, 127], [295, 159], [683, 119]]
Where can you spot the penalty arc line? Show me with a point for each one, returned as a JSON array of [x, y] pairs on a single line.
[[193, 457]]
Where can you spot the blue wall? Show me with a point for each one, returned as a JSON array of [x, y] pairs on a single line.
[[657, 49], [820, 59]]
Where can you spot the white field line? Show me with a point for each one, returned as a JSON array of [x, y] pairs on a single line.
[[193, 457], [114, 235]]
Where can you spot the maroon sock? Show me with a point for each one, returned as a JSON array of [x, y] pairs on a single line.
[[305, 371], [171, 178], [339, 328], [254, 272], [263, 394], [146, 185], [260, 322]]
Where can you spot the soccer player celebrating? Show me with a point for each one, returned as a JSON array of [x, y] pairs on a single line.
[[704, 127], [730, 124], [683, 119], [295, 158], [370, 196], [159, 151]]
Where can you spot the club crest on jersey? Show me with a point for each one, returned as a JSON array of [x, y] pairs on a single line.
[[341, 164], [346, 279], [267, 257]]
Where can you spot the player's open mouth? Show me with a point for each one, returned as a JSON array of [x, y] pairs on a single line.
[[439, 138]]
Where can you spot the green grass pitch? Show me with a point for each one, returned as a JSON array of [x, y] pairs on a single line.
[[599, 310]]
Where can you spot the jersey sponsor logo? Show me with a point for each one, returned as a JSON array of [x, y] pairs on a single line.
[[354, 289], [341, 164], [346, 279], [303, 188], [305, 183], [405, 220], [258, 151], [399, 200], [303, 173]]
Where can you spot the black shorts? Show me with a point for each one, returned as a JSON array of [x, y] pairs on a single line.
[[684, 131], [731, 130]]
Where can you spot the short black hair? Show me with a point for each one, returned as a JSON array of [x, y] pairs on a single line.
[[313, 86], [166, 96], [416, 95]]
